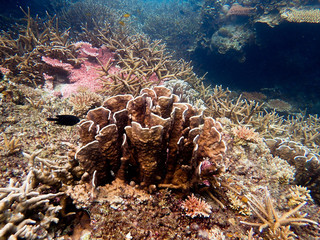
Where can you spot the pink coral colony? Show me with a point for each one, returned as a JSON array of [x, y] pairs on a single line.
[[87, 76], [195, 207]]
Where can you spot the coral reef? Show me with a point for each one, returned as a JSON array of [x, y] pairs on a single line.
[[298, 195], [143, 63], [10, 146], [242, 133], [176, 23], [245, 167], [83, 101], [185, 92], [279, 105], [145, 149], [22, 56], [74, 78]]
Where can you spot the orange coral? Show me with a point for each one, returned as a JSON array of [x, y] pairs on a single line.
[[195, 207]]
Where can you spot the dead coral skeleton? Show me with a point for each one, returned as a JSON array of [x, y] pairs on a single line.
[[275, 224], [52, 172]]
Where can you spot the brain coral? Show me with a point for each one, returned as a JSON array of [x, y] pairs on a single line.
[[152, 139]]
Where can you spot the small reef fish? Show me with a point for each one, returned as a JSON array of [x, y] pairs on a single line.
[[66, 120], [121, 23], [126, 15]]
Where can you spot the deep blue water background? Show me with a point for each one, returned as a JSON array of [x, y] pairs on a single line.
[[284, 59]]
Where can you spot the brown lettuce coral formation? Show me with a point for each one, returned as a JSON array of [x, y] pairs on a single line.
[[152, 139]]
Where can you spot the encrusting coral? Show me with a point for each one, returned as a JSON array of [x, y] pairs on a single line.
[[152, 139]]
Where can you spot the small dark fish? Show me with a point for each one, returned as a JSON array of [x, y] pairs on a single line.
[[66, 120]]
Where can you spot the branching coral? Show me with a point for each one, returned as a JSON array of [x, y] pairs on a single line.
[[239, 111], [10, 146], [140, 62], [22, 56], [83, 101], [297, 195], [305, 130], [24, 212], [272, 221], [238, 203], [196, 207], [143, 64]]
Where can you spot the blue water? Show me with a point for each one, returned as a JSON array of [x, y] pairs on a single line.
[[283, 59]]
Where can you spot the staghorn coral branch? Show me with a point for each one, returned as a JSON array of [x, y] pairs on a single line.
[[270, 218]]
